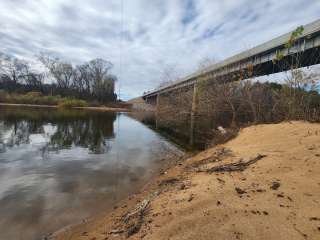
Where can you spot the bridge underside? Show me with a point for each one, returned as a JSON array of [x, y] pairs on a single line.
[[178, 107], [250, 70]]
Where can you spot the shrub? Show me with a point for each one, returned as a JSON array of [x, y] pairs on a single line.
[[34, 94], [70, 103], [3, 95], [37, 98], [95, 103]]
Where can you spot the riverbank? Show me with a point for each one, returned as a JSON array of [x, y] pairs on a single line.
[[106, 109], [140, 105], [264, 184]]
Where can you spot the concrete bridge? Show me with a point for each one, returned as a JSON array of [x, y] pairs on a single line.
[[258, 61]]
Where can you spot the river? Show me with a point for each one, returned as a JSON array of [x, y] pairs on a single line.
[[59, 167]]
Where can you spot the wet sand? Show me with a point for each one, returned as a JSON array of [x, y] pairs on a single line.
[[275, 196]]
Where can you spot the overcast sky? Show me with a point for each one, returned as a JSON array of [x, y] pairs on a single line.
[[150, 35]]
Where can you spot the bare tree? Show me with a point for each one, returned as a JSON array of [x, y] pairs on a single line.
[[99, 69], [32, 79], [92, 78], [13, 69], [102, 81], [62, 72], [169, 74], [78, 80], [83, 76]]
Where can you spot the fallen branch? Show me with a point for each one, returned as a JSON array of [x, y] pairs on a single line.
[[216, 157], [139, 210], [116, 231], [238, 166], [132, 221], [168, 181]]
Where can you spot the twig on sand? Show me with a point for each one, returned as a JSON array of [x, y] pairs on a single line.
[[237, 166], [168, 181], [217, 156], [138, 210], [305, 236], [132, 221]]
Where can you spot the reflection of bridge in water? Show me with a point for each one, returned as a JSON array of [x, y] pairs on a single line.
[[255, 62]]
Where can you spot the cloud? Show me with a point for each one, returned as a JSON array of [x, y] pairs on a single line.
[[149, 35]]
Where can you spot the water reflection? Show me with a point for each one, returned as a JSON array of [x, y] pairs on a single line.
[[62, 129], [179, 135], [58, 167]]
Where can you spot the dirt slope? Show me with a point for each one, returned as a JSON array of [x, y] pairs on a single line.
[[276, 197]]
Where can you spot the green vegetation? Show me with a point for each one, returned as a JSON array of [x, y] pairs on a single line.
[[70, 103], [294, 36], [289, 44], [36, 98]]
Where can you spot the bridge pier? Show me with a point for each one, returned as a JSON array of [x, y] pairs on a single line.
[[157, 110], [193, 113]]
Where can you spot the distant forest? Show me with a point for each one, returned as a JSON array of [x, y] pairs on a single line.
[[90, 81]]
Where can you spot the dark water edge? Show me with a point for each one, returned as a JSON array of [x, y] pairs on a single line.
[[179, 136], [58, 167]]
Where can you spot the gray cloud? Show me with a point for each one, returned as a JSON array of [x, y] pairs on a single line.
[[150, 35]]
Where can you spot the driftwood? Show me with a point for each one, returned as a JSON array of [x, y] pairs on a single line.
[[275, 185], [116, 231], [168, 181], [216, 157], [132, 221], [237, 166], [139, 210], [240, 191]]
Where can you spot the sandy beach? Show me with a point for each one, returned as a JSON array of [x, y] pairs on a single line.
[[264, 184]]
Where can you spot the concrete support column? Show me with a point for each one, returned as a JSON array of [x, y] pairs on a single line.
[[157, 110], [193, 112]]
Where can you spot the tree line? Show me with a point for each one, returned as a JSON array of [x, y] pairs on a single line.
[[91, 81], [236, 104]]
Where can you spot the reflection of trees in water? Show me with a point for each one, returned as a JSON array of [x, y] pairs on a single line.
[[18, 133], [72, 128], [21, 131], [2, 145], [90, 133]]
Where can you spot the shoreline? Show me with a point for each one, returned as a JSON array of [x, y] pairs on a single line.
[[128, 202], [103, 109], [275, 197]]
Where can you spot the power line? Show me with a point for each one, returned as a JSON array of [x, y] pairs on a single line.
[[121, 47]]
